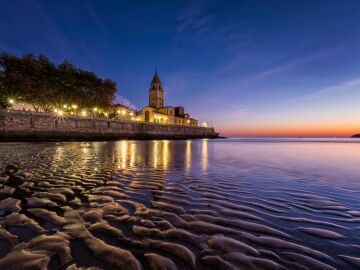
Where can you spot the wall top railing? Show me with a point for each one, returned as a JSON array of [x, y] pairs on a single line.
[[92, 117]]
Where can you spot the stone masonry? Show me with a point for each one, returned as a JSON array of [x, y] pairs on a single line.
[[17, 125]]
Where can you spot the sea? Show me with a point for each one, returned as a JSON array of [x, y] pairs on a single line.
[[235, 203]]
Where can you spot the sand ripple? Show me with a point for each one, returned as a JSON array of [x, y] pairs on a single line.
[[75, 206]]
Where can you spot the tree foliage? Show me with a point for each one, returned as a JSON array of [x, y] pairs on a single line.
[[45, 85]]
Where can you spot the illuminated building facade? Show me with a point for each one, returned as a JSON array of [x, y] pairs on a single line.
[[156, 112]]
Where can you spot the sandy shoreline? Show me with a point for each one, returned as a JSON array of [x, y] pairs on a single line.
[[71, 205]]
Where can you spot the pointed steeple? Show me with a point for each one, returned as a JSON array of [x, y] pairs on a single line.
[[156, 95], [156, 79]]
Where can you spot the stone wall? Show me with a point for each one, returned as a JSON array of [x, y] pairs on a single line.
[[16, 125]]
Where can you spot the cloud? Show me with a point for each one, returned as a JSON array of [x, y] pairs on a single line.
[[342, 87], [240, 112], [194, 16], [124, 101], [198, 22]]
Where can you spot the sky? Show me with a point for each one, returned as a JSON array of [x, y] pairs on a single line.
[[251, 68]]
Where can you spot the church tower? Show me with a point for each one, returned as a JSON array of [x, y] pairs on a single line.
[[156, 94]]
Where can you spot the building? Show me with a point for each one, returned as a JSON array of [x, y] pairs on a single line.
[[156, 112]]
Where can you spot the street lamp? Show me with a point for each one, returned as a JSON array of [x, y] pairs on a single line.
[[83, 113], [11, 101]]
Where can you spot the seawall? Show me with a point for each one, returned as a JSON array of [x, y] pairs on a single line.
[[18, 125]]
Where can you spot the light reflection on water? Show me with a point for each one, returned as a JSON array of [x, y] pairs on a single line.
[[257, 192]]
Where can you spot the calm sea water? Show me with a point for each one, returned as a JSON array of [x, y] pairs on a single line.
[[193, 204]]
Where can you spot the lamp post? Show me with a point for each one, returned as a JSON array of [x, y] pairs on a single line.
[[11, 102], [74, 106], [95, 111]]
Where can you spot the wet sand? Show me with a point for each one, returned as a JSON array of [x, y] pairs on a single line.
[[201, 204]]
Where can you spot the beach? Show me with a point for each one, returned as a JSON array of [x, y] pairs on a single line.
[[250, 203]]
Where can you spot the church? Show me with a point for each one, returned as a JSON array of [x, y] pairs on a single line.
[[156, 112]]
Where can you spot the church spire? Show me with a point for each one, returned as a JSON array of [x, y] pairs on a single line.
[[156, 79], [156, 95]]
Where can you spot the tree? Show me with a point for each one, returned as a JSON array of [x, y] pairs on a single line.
[[3, 103], [44, 85]]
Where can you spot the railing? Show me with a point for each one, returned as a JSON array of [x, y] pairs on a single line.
[[92, 116]]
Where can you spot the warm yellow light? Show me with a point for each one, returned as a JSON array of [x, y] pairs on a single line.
[[72, 113], [106, 114], [95, 109], [55, 110], [123, 112], [204, 124], [61, 113], [65, 106], [74, 106], [132, 118], [83, 113], [131, 113], [11, 101], [188, 121], [165, 118], [118, 111]]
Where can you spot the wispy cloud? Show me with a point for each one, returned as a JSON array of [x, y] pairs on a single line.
[[197, 22], [124, 101], [342, 87], [194, 17], [240, 112]]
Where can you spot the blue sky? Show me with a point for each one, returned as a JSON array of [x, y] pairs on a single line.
[[252, 67]]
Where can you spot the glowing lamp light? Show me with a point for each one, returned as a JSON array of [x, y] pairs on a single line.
[[74, 107], [55, 110], [60, 113], [118, 111], [123, 112], [83, 113], [188, 121], [132, 118], [165, 118], [204, 124], [11, 101], [95, 109], [65, 106], [131, 114], [106, 115]]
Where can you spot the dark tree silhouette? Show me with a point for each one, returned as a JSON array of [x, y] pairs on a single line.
[[41, 83]]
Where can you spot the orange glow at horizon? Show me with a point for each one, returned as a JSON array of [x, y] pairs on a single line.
[[293, 130]]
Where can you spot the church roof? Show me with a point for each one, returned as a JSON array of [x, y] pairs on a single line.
[[156, 79]]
